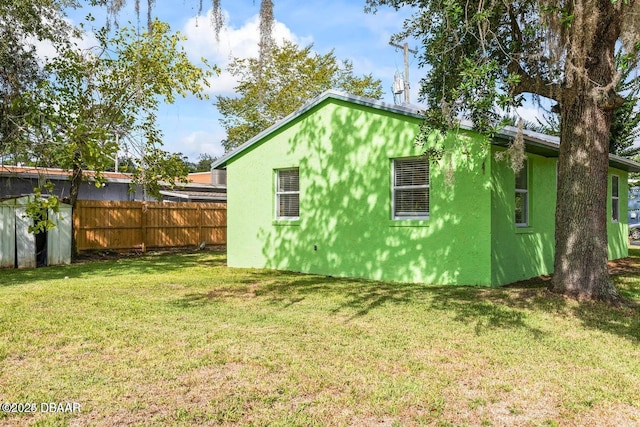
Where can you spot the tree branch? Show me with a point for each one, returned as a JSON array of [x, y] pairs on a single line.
[[533, 84]]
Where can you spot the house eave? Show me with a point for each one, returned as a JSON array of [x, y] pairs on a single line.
[[188, 197], [549, 146], [536, 143]]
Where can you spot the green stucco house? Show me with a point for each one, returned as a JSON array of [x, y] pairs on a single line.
[[339, 188]]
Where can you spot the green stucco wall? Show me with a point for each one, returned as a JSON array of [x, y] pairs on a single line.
[[519, 253], [344, 154]]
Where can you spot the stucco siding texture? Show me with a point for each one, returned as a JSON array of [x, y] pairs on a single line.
[[344, 154]]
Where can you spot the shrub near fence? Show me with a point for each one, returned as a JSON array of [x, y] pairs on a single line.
[[147, 225]]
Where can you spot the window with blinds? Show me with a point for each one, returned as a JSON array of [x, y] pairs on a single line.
[[288, 194], [411, 188], [522, 196], [615, 198]]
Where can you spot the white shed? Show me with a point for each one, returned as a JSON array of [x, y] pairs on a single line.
[[21, 249]]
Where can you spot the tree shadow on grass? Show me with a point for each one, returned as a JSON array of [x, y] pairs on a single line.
[[512, 306], [124, 264], [357, 298], [488, 309]]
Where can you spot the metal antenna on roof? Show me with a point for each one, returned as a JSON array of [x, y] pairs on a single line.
[[397, 88], [405, 48]]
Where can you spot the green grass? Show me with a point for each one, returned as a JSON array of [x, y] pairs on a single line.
[[183, 340]]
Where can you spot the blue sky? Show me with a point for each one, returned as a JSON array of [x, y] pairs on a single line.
[[192, 126]]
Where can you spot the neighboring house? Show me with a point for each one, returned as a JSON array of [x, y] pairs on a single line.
[[194, 192], [18, 180], [204, 187], [339, 188], [215, 177]]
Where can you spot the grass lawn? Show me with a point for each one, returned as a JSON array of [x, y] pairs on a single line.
[[184, 340]]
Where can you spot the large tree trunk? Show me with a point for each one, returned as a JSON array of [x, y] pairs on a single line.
[[581, 210]]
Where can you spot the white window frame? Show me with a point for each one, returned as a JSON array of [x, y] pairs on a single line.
[[615, 199], [524, 191], [279, 193], [395, 188]]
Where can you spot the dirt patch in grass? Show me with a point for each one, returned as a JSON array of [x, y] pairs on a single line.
[[232, 292]]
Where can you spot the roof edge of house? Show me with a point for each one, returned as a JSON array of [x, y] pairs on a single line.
[[215, 197], [60, 174], [405, 109], [538, 141], [57, 174]]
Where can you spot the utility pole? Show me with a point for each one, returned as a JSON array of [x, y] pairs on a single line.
[[406, 50]]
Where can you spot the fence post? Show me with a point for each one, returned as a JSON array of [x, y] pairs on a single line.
[[75, 228], [199, 213], [144, 226]]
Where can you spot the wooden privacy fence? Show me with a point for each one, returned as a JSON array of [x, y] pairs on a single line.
[[145, 225]]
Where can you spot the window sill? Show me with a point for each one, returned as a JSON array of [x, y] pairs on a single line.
[[286, 222], [524, 230], [409, 222]]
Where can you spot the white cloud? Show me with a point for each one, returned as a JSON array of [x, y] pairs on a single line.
[[46, 49], [233, 42], [202, 142]]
